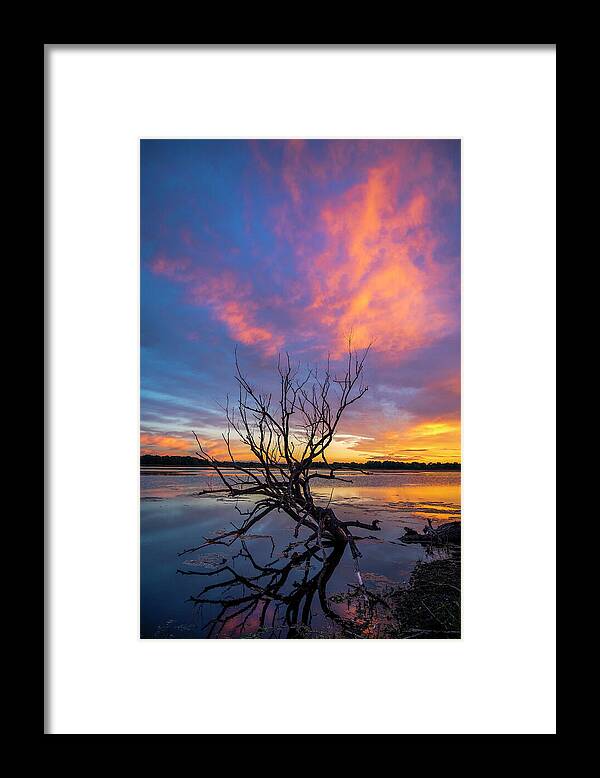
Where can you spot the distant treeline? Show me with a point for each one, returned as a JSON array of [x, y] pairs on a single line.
[[388, 464]]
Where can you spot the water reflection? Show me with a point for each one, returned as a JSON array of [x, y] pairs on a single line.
[[266, 603], [266, 586]]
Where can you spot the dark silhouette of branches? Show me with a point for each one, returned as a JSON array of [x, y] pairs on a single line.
[[288, 434], [265, 604]]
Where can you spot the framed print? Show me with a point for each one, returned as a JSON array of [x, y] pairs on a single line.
[[300, 388]]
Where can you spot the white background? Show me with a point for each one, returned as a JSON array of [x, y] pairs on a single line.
[[499, 678]]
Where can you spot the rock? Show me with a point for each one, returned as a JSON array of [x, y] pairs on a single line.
[[445, 533]]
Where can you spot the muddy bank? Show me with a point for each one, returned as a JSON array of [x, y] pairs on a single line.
[[429, 606]]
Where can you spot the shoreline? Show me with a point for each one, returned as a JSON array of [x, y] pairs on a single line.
[[144, 469], [357, 467]]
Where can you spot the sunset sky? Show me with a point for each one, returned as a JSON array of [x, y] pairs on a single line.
[[289, 246]]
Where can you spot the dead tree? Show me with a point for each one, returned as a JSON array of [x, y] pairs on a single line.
[[288, 435]]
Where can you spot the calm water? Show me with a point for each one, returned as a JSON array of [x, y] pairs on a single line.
[[174, 518]]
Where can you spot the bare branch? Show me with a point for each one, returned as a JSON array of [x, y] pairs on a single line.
[[288, 436]]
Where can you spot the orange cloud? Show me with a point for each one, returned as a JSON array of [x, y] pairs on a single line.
[[171, 444], [153, 443], [423, 439], [231, 303], [377, 276], [228, 297], [433, 429]]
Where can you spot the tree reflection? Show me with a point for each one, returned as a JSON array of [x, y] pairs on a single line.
[[276, 599]]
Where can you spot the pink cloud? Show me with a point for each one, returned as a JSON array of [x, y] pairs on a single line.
[[229, 298]]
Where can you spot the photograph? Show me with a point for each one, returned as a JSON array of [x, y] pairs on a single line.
[[300, 388]]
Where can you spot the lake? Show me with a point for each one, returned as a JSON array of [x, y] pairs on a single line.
[[174, 518]]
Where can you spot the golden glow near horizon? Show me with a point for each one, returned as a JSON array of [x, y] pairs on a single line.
[[435, 441]]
